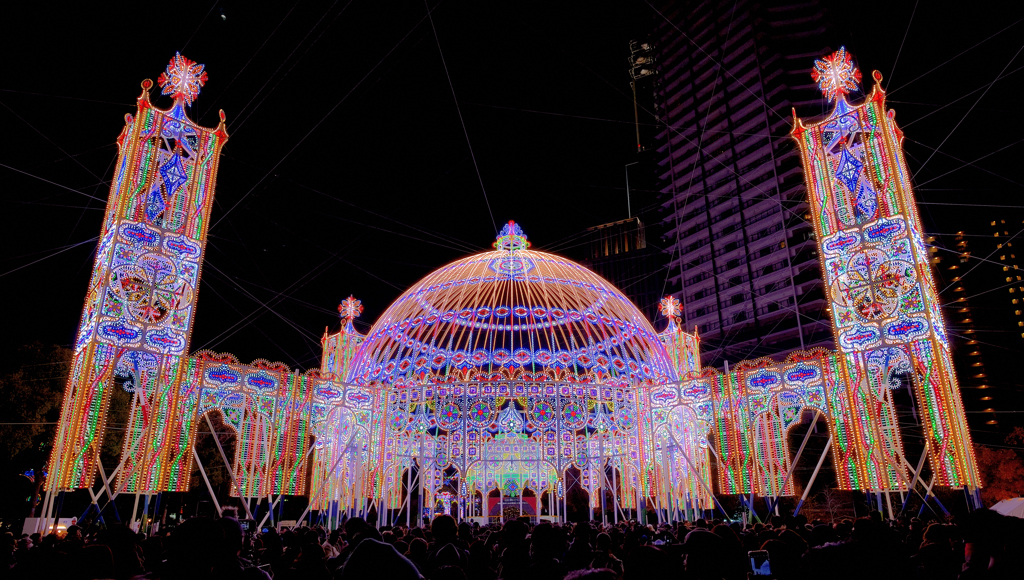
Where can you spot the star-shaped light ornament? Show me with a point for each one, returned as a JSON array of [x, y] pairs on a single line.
[[835, 74], [350, 308], [183, 79], [670, 308]]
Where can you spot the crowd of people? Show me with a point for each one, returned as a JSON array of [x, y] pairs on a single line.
[[980, 545]]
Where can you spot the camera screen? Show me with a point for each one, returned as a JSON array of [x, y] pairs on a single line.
[[759, 563]]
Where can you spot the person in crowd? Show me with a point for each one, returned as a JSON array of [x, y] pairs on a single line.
[[981, 545], [603, 556], [373, 559]]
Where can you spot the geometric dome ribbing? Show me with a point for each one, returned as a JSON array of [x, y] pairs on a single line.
[[512, 314]]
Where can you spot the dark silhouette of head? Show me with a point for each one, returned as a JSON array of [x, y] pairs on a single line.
[[195, 548], [444, 529], [646, 562], [374, 559], [704, 553], [95, 561]]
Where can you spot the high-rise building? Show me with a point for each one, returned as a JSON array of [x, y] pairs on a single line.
[[982, 291], [966, 312], [738, 225], [1008, 309], [619, 252], [998, 283]]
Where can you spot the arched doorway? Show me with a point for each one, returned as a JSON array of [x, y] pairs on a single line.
[[495, 506], [529, 505], [446, 502], [817, 494], [211, 481]]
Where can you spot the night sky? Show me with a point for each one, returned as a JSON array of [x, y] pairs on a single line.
[[348, 171]]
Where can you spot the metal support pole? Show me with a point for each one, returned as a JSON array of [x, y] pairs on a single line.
[[615, 496], [604, 509], [227, 464], [54, 495], [270, 510], [144, 521], [662, 490], [750, 509], [707, 488], [933, 496], [817, 468], [799, 452], [421, 484], [775, 492], [88, 509], [113, 474], [135, 510], [106, 482], [60, 508], [928, 490], [636, 499], [323, 483], [408, 495], [42, 510], [917, 473], [156, 508], [565, 504]]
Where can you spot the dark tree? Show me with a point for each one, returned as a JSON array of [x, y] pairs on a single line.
[[31, 390]]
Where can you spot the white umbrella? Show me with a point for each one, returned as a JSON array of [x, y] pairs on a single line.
[[1010, 507]]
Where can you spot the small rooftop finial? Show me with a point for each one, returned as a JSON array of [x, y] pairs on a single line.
[[511, 238], [670, 308], [835, 74], [350, 308], [182, 79]]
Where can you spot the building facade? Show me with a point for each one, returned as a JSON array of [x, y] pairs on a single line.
[[742, 248], [619, 252], [984, 303]]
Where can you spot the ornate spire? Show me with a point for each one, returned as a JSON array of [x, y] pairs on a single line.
[[511, 238], [350, 308], [182, 79], [670, 308], [835, 74]]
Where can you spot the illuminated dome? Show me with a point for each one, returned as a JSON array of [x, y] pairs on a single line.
[[512, 314]]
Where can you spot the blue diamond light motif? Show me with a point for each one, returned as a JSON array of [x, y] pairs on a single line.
[[849, 170], [173, 173], [155, 204]]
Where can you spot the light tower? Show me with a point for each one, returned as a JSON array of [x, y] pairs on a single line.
[[137, 320], [884, 308]]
